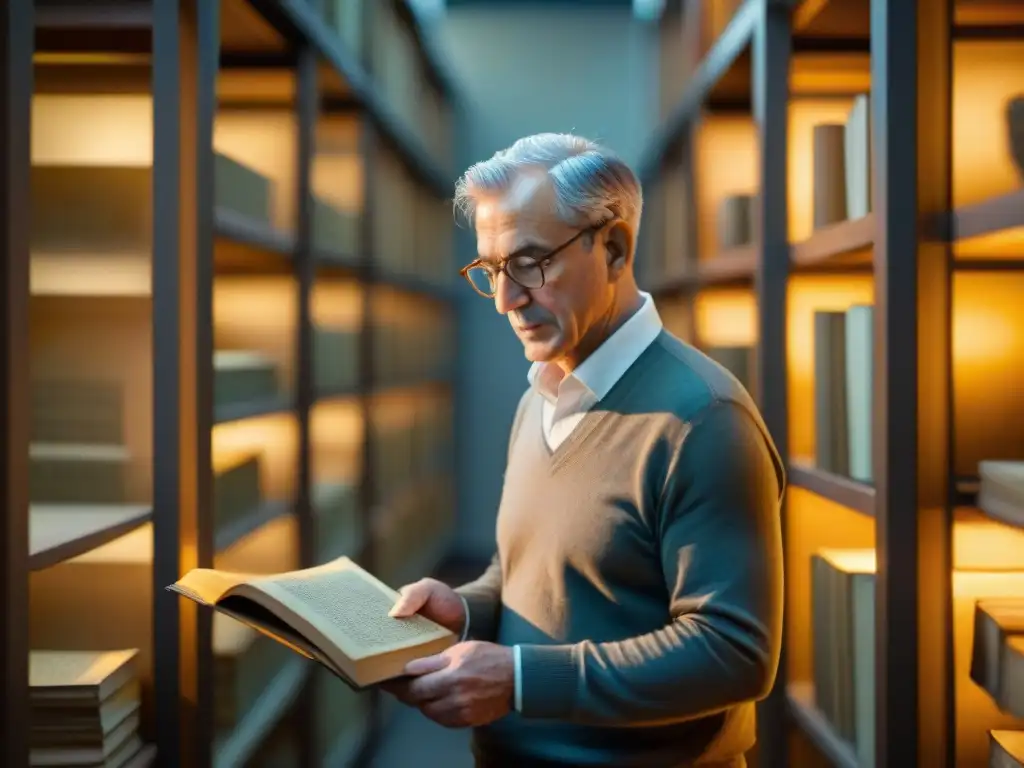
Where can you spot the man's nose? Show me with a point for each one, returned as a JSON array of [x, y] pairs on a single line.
[[508, 294]]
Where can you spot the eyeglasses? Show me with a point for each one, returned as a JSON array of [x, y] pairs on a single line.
[[525, 271]]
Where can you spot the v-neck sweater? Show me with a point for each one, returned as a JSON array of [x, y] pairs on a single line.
[[639, 571]]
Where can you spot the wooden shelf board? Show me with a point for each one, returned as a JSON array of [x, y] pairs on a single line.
[[267, 511], [842, 490], [800, 700], [272, 705], [414, 284], [832, 19], [231, 226], [733, 266], [995, 216], [229, 412], [839, 244], [298, 19], [335, 260], [336, 393], [719, 60], [59, 532]]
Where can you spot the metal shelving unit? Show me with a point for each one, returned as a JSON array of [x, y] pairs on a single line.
[[935, 235], [194, 62]]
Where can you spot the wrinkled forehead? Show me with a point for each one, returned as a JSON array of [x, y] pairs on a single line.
[[524, 212]]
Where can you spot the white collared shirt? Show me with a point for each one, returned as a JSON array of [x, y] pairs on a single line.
[[568, 398]]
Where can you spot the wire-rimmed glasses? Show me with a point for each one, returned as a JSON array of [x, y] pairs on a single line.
[[526, 271]]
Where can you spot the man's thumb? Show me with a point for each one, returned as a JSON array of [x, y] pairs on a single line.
[[413, 597]]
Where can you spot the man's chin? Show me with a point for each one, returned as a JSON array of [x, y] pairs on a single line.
[[545, 351]]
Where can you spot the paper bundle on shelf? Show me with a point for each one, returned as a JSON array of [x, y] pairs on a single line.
[[77, 455], [77, 474], [77, 412], [736, 221], [242, 190], [85, 708], [337, 521], [242, 376], [335, 359], [1001, 491], [843, 627], [236, 487], [829, 175], [857, 158], [335, 230], [997, 658], [1006, 749]]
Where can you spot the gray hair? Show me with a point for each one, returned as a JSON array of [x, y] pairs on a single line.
[[591, 183]]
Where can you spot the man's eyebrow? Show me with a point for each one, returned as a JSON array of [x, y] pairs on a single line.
[[524, 248]]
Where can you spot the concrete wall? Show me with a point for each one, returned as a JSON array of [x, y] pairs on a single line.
[[522, 70]]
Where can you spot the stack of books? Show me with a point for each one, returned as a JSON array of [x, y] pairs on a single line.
[[77, 454], [1001, 491], [85, 709]]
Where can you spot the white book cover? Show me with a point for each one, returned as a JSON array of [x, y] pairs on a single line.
[[858, 158], [859, 384]]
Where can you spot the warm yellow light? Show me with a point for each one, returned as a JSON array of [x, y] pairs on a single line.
[[135, 547], [336, 438], [814, 523], [725, 155], [988, 345], [92, 130], [1005, 244], [726, 317], [271, 548], [337, 164], [986, 75], [90, 274], [804, 114], [64, 346], [258, 313], [337, 303], [976, 713], [833, 73], [276, 436], [983, 544], [808, 294], [677, 317], [263, 140]]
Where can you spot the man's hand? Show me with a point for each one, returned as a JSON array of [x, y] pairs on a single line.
[[433, 599], [468, 685]]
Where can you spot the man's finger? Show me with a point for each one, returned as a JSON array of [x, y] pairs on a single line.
[[427, 665], [413, 597], [429, 687]]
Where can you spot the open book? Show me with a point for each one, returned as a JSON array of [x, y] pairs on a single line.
[[335, 613]]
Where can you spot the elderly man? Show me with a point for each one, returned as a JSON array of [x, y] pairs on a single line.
[[632, 613]]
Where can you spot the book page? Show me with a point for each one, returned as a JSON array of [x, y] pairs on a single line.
[[206, 585], [342, 599]]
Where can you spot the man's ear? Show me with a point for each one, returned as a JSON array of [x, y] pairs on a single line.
[[619, 247]]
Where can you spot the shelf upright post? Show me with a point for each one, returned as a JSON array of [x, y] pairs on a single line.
[[186, 49], [369, 142], [911, 108], [17, 34], [305, 266], [770, 92]]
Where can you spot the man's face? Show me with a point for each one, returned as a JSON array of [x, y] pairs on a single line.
[[552, 320]]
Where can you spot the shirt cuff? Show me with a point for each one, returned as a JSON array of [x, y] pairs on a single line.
[[465, 627], [517, 657], [549, 677]]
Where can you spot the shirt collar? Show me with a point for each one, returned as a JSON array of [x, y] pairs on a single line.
[[606, 364]]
